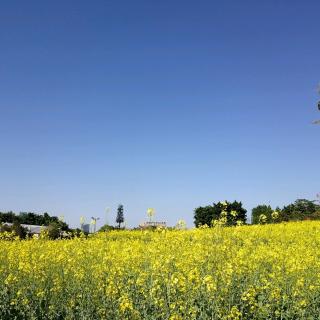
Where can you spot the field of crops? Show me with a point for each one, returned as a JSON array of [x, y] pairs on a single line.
[[247, 272]]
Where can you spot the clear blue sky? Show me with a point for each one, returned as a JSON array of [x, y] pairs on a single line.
[[164, 104]]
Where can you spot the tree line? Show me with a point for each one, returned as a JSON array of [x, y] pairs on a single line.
[[32, 218], [233, 213], [301, 209], [221, 213], [54, 225]]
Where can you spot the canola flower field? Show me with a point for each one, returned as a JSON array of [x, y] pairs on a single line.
[[245, 272]]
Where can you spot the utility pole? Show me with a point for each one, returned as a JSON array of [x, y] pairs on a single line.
[[107, 211]]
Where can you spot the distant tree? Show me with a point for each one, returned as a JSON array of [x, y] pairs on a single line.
[[204, 215], [53, 231], [231, 212], [120, 215], [20, 231], [16, 228], [259, 210], [33, 219], [7, 217], [301, 209], [46, 218]]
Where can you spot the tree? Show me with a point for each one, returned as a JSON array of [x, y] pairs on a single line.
[[204, 216], [53, 230], [231, 213], [120, 215], [301, 209], [19, 230], [33, 219], [7, 217], [259, 210]]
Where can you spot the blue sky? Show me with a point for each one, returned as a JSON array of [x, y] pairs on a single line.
[[164, 104]]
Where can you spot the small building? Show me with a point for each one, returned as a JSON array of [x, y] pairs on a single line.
[[31, 228], [153, 224], [85, 228]]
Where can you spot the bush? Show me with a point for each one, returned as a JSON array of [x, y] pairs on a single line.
[[53, 231], [106, 227]]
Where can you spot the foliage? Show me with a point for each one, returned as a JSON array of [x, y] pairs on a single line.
[[120, 215], [301, 209], [16, 229], [203, 215], [249, 272], [20, 231], [32, 218], [53, 231], [225, 212], [263, 209]]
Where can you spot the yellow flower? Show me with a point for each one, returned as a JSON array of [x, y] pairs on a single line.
[[125, 304]]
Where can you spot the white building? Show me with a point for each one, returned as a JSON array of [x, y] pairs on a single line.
[[31, 228], [154, 224]]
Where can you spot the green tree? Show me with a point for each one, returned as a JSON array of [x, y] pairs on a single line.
[[230, 212], [301, 209], [33, 219], [16, 227], [20, 231], [53, 230], [204, 215], [259, 210], [120, 215], [7, 217]]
